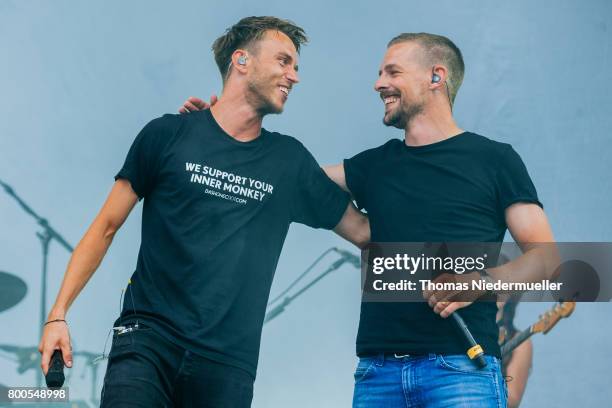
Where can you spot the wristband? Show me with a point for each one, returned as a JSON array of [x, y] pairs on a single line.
[[56, 320]]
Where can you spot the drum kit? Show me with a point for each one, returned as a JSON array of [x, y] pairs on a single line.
[[12, 291]]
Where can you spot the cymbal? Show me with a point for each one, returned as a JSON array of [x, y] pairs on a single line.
[[12, 290]]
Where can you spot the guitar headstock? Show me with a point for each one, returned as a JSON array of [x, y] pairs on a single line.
[[548, 320]]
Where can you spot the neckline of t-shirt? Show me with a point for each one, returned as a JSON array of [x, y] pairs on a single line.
[[229, 137], [434, 145]]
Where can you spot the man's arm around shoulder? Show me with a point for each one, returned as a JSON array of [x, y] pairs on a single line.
[[336, 173], [354, 225]]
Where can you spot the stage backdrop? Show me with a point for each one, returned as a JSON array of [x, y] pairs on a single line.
[[80, 78]]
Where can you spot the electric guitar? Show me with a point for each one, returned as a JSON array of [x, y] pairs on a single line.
[[546, 322]]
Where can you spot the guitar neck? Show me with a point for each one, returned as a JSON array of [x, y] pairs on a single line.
[[514, 342], [546, 322]]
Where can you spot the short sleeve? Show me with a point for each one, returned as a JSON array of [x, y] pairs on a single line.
[[513, 182], [318, 202], [356, 173], [141, 165]]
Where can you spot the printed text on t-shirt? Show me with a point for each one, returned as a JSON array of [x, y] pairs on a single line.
[[228, 182]]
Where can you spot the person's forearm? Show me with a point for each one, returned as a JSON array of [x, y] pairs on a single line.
[[538, 262], [84, 261], [513, 402], [354, 227], [336, 174]]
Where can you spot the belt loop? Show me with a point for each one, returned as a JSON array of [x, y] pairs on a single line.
[[380, 360], [432, 356]]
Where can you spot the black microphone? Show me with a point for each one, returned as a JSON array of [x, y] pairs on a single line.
[[349, 257], [475, 352], [55, 375]]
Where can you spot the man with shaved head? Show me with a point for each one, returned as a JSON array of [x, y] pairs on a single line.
[[439, 184]]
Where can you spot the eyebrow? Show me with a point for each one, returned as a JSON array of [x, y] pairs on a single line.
[[289, 57]]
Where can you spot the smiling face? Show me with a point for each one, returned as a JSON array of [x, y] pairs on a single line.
[[272, 73], [403, 82]]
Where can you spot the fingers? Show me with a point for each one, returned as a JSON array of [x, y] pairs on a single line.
[[445, 302], [440, 306], [445, 305], [196, 103], [193, 104], [445, 308], [55, 337], [190, 106], [452, 307], [67, 353], [439, 296], [45, 359]]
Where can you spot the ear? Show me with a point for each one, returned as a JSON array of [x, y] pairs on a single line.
[[438, 72], [240, 60]]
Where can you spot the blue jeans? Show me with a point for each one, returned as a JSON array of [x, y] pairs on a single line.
[[432, 380]]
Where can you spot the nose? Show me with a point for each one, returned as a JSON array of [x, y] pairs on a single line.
[[380, 84], [292, 76]]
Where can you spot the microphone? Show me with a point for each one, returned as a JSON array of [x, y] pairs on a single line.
[[349, 257], [55, 375], [475, 352]]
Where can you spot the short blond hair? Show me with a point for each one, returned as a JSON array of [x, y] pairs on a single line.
[[438, 50]]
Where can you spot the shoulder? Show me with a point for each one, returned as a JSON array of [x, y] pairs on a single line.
[[498, 152], [486, 143], [375, 152], [166, 123], [157, 134], [289, 144], [161, 129]]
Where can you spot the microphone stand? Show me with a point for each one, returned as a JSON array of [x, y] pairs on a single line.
[[280, 308], [45, 236]]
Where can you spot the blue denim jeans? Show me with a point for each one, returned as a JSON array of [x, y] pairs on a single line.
[[432, 380]]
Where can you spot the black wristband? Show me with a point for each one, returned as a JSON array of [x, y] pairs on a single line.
[[53, 321]]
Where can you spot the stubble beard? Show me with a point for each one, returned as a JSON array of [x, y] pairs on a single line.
[[259, 97], [401, 118]]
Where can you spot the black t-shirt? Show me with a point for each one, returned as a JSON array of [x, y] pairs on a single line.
[[215, 215], [455, 190]]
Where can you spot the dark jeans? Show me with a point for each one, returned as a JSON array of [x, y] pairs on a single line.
[[146, 370]]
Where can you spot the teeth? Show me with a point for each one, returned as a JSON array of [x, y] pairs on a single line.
[[390, 99], [284, 90]]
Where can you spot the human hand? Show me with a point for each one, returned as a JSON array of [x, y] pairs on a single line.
[[444, 302], [55, 337], [193, 104]]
